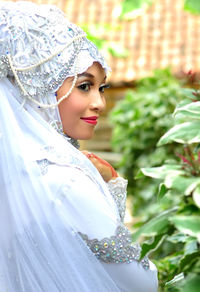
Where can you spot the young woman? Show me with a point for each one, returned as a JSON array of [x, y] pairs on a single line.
[[61, 210]]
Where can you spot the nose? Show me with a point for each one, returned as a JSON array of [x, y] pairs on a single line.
[[98, 102]]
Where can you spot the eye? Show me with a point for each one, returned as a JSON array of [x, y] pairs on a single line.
[[103, 87], [85, 86]]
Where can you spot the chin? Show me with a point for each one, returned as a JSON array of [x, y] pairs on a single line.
[[86, 136], [80, 135]]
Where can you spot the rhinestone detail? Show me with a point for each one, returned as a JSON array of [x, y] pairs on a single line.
[[116, 249], [118, 191]]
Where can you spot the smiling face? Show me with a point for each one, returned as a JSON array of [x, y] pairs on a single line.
[[80, 111]]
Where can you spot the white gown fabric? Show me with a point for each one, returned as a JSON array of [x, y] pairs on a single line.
[[61, 225], [43, 209]]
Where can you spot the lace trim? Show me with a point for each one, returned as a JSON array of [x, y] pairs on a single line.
[[45, 32], [117, 248], [43, 164], [118, 191]]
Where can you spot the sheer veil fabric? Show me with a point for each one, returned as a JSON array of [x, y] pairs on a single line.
[[39, 248], [50, 192]]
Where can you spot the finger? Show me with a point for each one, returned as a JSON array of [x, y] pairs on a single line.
[[105, 163], [87, 153]]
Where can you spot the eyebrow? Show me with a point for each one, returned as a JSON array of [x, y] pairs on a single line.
[[85, 74]]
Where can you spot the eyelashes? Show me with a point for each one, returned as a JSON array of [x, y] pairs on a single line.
[[86, 86], [103, 87]]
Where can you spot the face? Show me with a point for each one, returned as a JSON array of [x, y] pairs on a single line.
[[80, 111]]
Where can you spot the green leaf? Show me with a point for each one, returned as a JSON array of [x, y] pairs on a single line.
[[191, 284], [187, 224], [188, 132], [131, 9], [162, 171], [196, 196], [162, 190], [152, 244], [191, 246], [188, 95], [156, 226], [190, 110], [117, 51], [175, 280], [188, 260], [139, 175], [176, 238], [192, 6], [184, 185]]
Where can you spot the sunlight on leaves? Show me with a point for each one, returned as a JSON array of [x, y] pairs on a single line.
[[131, 9], [184, 133], [192, 6], [187, 224]]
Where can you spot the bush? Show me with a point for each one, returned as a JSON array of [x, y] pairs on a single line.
[[139, 120], [175, 234], [172, 235]]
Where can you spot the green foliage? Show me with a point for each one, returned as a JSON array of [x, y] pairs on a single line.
[[179, 268], [139, 120], [96, 33], [130, 9], [192, 6], [169, 225]]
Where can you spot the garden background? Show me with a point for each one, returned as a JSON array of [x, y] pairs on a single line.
[[151, 129]]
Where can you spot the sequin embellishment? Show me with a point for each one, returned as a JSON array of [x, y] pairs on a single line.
[[116, 249], [43, 49], [117, 188], [43, 164]]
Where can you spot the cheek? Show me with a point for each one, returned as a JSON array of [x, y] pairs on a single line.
[[72, 107]]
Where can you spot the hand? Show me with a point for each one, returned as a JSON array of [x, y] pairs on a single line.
[[104, 168]]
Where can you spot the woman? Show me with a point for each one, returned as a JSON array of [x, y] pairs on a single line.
[[61, 211]]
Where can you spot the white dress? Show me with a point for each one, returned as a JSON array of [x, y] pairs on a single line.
[[61, 226], [101, 211]]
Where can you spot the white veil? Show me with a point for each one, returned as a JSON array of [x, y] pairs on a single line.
[[37, 252], [57, 215]]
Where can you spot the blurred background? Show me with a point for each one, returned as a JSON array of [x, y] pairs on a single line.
[[153, 49], [136, 37]]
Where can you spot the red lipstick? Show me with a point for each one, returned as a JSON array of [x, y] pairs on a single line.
[[91, 120]]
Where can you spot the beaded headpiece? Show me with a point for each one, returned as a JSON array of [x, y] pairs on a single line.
[[40, 48]]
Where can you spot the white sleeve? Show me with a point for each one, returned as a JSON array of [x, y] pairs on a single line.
[[95, 216]]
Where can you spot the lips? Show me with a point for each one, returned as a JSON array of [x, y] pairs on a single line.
[[90, 120]]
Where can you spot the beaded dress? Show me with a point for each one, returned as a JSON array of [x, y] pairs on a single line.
[[61, 225]]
